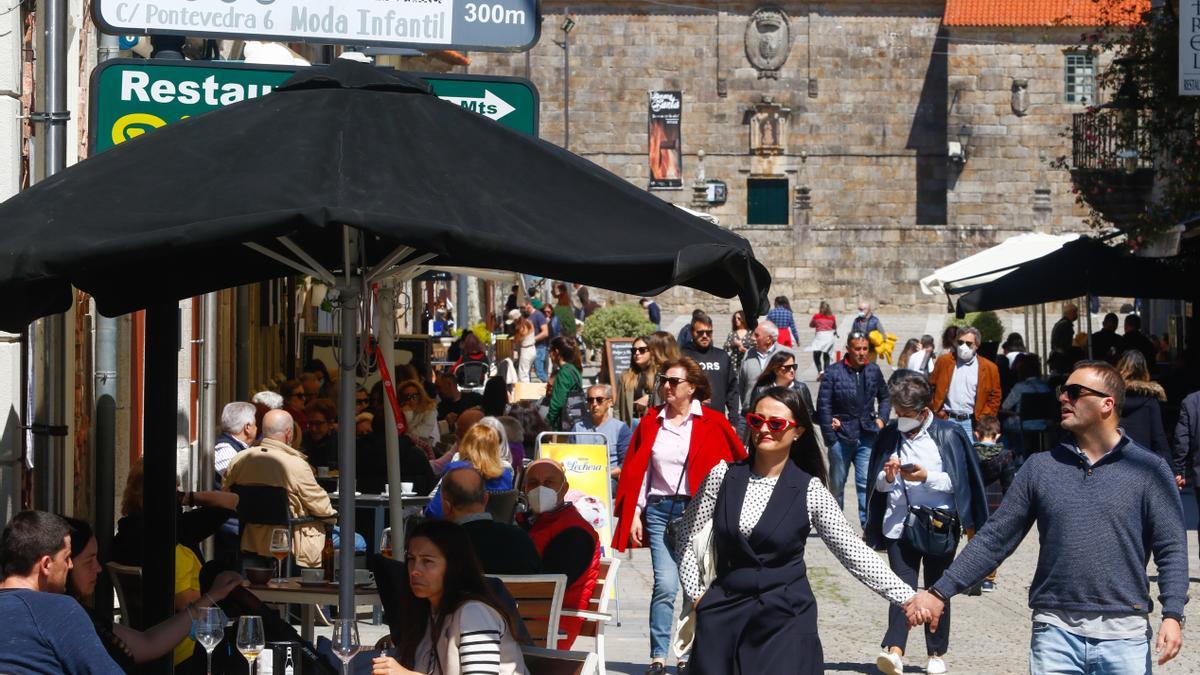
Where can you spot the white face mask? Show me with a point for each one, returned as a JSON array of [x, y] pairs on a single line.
[[965, 352], [908, 424], [542, 499]]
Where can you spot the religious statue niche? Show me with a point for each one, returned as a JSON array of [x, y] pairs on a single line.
[[768, 41], [768, 123], [1020, 97]]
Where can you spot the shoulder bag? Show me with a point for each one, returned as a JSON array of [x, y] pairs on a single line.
[[932, 532]]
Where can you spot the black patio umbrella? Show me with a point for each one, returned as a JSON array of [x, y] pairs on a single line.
[[1082, 267], [349, 174]]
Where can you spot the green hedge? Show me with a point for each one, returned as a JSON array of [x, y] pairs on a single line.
[[616, 321]]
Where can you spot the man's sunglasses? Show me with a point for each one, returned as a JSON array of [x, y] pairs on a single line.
[[773, 424], [596, 399], [640, 350], [1075, 392], [960, 343], [673, 381], [703, 333]]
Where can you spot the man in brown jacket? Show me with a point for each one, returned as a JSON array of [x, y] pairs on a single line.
[[276, 463], [966, 386]]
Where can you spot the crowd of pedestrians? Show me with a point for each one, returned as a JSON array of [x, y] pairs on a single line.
[[721, 461]]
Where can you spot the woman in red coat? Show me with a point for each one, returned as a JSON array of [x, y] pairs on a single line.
[[673, 449]]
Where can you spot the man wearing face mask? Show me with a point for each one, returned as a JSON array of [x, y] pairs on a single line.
[[565, 541], [866, 321], [966, 386]]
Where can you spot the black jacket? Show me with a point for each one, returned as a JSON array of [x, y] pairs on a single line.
[[1187, 440], [721, 377], [958, 460], [1142, 420]]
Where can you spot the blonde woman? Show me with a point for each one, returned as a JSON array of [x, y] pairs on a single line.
[[420, 413], [479, 448]]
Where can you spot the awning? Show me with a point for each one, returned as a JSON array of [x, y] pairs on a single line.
[[992, 263]]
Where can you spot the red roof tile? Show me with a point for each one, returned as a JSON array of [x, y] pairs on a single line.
[[1042, 12]]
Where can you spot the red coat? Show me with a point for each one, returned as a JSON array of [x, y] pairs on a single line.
[[713, 441]]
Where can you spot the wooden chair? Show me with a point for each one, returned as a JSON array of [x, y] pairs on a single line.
[[539, 602], [127, 581], [597, 615], [540, 661]]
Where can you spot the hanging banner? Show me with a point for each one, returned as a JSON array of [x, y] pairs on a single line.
[[1189, 48], [666, 145], [494, 25]]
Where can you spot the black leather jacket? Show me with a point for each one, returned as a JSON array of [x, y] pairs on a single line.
[[958, 460]]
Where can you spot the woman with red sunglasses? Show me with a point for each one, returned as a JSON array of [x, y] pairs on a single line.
[[758, 614]]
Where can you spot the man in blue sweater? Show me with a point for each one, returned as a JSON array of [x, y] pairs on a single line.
[[1102, 505]]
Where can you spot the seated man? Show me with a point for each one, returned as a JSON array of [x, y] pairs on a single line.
[[501, 548], [276, 463], [567, 543], [45, 630]]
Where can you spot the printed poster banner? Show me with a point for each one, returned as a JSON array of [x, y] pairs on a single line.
[[587, 473], [666, 145], [1189, 48], [497, 25]]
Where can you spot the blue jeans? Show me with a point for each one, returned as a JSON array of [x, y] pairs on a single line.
[[539, 361], [842, 454], [1053, 650], [666, 574], [966, 426]]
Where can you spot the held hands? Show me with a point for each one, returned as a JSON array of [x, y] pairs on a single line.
[[1170, 640], [924, 607]]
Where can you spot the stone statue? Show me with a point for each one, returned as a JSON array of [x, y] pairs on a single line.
[[768, 123], [768, 41], [1020, 97]]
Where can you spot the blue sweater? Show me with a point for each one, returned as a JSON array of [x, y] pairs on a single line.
[[1097, 527], [49, 633]]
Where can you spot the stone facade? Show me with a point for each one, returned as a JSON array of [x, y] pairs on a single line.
[[874, 92]]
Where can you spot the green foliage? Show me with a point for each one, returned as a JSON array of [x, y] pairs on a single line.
[[616, 321], [987, 323]]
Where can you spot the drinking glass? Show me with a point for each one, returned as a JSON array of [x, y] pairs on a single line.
[[209, 627], [345, 641], [250, 640], [281, 546], [385, 543]]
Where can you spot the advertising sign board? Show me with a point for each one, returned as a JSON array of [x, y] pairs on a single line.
[[133, 96], [496, 25]]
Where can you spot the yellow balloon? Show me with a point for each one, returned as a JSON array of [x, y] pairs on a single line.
[[134, 125]]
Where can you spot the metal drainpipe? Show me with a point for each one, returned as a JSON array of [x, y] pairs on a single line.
[[47, 347]]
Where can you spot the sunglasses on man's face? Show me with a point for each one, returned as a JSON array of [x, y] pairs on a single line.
[[703, 333], [1074, 392], [640, 350], [596, 400], [663, 380], [773, 424], [968, 343]]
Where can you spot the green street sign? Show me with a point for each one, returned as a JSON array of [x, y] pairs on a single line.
[[130, 97]]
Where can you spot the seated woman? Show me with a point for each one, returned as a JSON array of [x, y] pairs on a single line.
[[192, 527], [479, 448], [420, 414], [129, 647], [452, 623]]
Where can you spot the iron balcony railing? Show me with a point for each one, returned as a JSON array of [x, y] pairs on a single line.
[[1111, 140]]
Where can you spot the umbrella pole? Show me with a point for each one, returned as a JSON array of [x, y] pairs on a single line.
[[348, 298], [387, 342], [1087, 310]]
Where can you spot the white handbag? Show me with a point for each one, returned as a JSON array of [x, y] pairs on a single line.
[[706, 561]]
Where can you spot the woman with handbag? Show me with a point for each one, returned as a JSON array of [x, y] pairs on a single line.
[[754, 609], [672, 450], [928, 489]]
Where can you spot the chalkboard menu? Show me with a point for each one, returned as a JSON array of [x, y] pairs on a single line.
[[618, 355]]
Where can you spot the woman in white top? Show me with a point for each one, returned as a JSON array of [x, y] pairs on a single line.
[[420, 413], [759, 615], [451, 623], [526, 343]]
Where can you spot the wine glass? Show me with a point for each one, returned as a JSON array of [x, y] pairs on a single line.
[[345, 641], [281, 546], [209, 627], [385, 543], [250, 640]]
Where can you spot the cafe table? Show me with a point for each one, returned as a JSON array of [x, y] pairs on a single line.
[[308, 595]]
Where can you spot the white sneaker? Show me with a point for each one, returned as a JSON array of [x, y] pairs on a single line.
[[889, 663], [936, 666]]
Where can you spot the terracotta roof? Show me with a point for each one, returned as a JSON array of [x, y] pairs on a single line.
[[1042, 12]]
